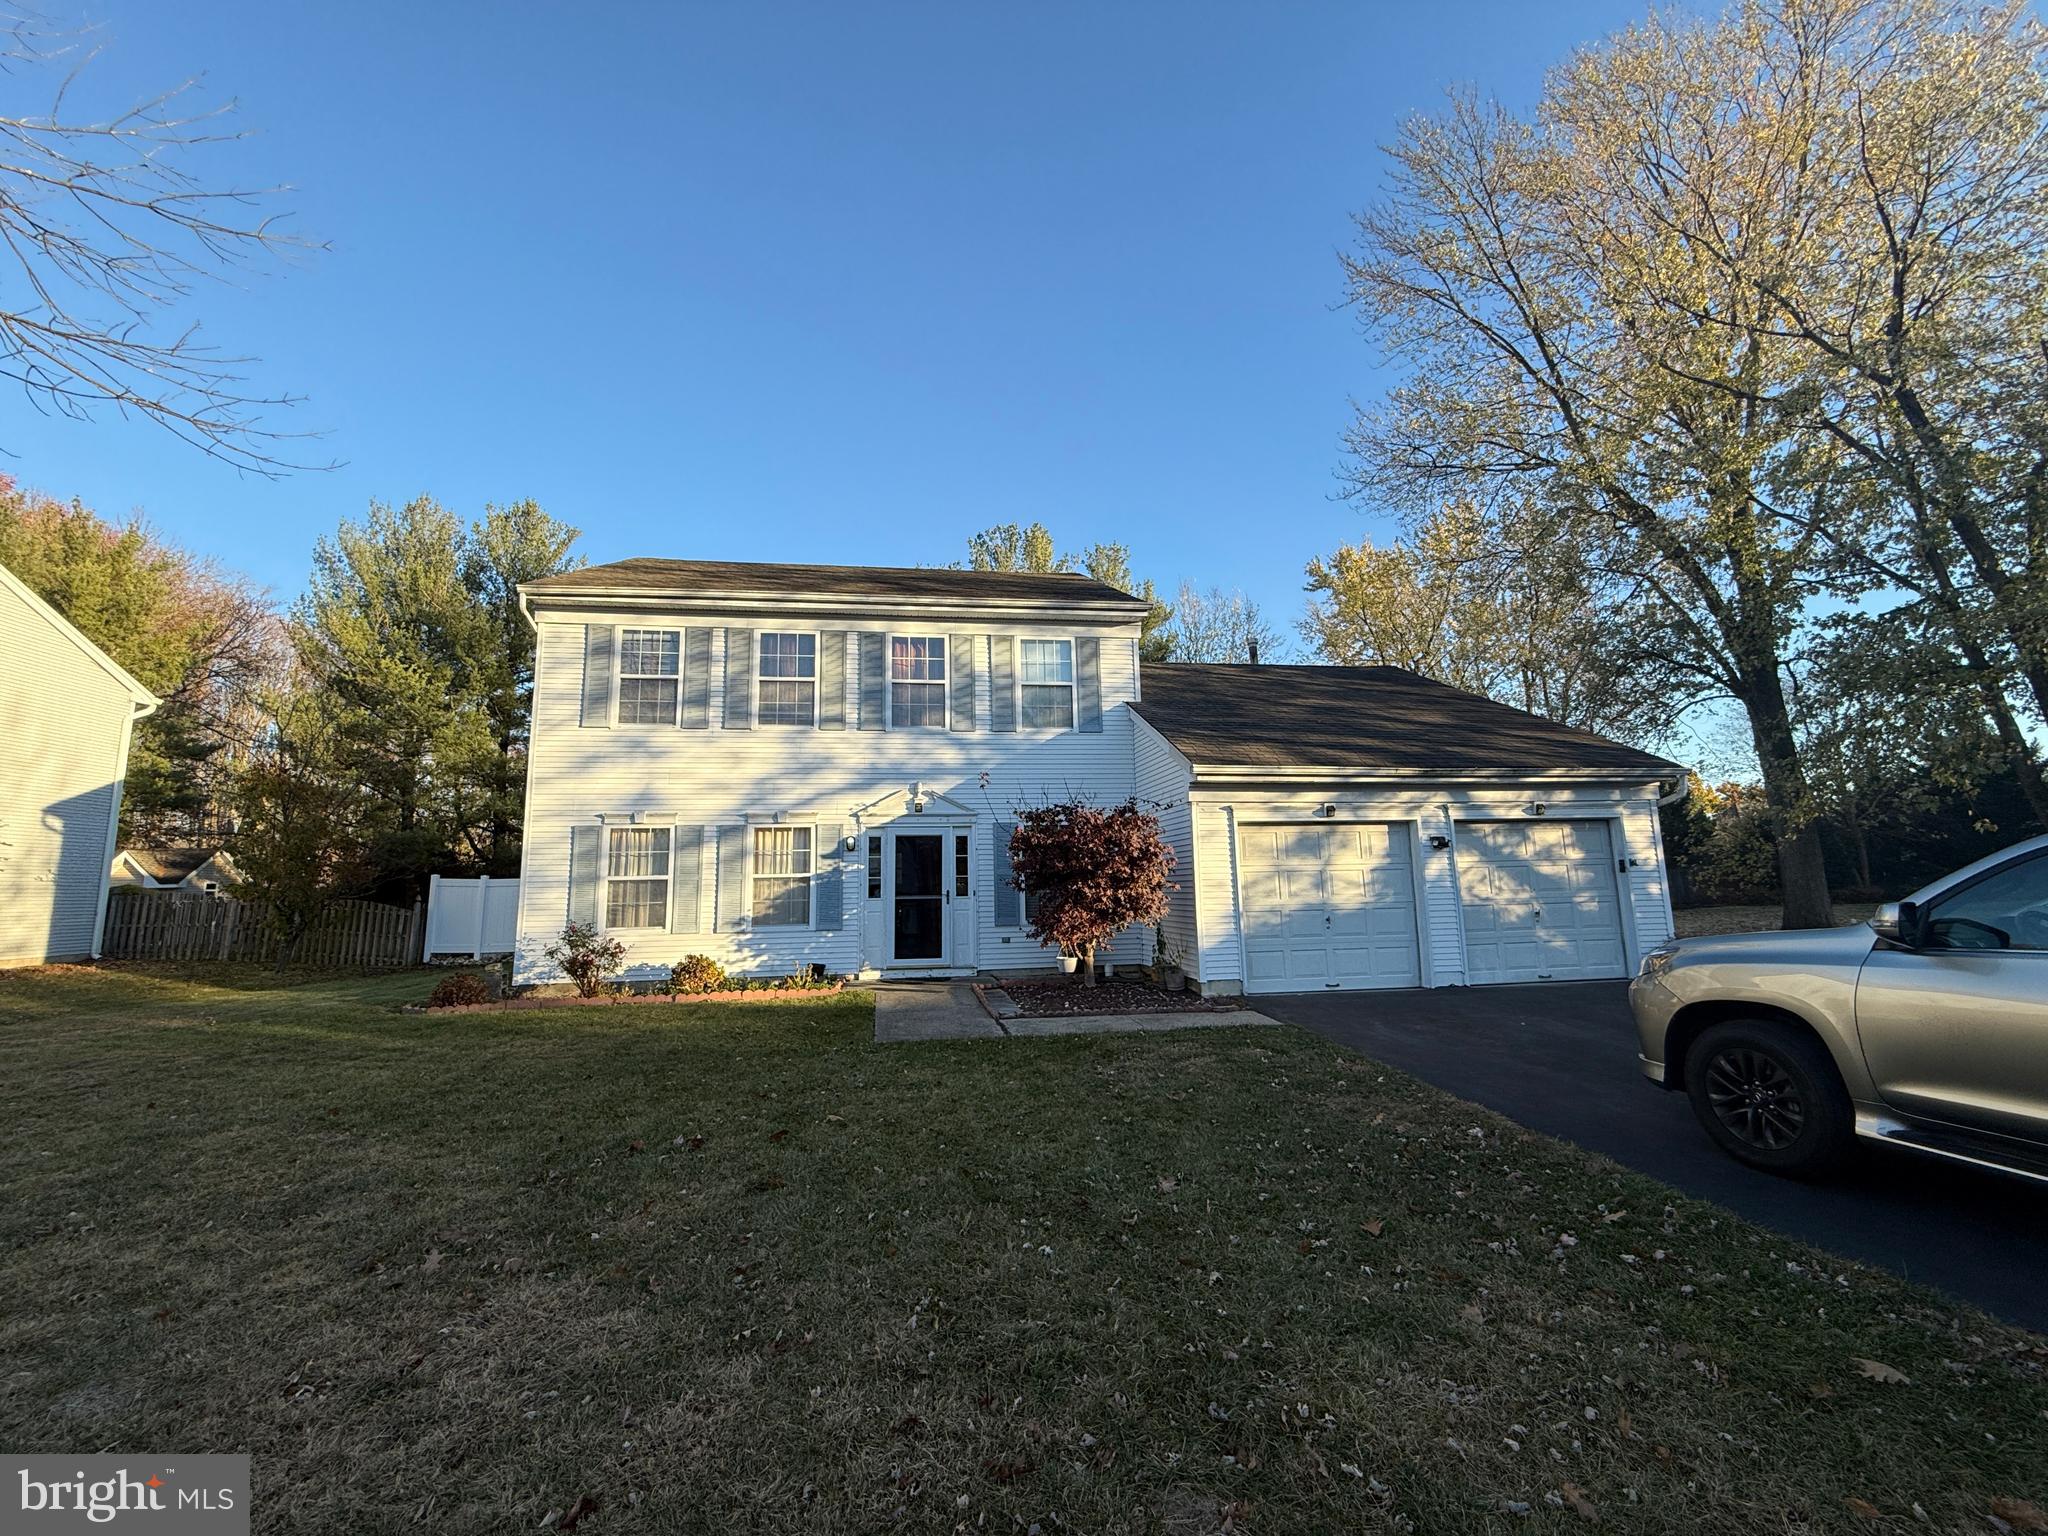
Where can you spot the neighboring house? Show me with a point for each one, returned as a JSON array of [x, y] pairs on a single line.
[[782, 766], [66, 716], [190, 869]]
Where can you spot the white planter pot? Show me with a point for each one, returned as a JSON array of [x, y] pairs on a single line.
[[1070, 963]]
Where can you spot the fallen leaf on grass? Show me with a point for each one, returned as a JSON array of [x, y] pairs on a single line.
[[778, 1135], [1862, 1509], [1471, 1313], [1582, 1506], [1877, 1370], [432, 1261], [2020, 1514], [1820, 1389], [1008, 1471], [1374, 1227], [1168, 1183], [585, 1504], [635, 1145]]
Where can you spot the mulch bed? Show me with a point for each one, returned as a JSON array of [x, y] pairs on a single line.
[[1053, 999]]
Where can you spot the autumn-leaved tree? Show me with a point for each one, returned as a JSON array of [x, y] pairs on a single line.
[[204, 641], [1464, 600], [1556, 286], [1220, 626], [1092, 872]]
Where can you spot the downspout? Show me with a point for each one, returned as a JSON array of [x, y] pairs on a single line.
[[526, 801]]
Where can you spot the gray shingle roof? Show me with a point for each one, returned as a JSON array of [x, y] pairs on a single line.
[[1364, 718], [711, 578]]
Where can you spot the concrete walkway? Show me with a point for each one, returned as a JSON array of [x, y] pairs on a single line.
[[930, 1010], [949, 1010]]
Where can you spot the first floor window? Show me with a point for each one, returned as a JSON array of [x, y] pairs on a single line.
[[649, 666], [782, 877], [1045, 683], [636, 878], [789, 679], [917, 680]]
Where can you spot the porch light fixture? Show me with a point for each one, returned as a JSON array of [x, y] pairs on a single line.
[[1536, 808], [1326, 809], [1438, 841]]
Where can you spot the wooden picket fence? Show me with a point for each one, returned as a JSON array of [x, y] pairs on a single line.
[[190, 925]]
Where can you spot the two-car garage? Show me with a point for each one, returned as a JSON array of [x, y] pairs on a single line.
[[1332, 905], [1359, 828]]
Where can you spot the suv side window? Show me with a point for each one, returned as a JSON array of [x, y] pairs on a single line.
[[2006, 910]]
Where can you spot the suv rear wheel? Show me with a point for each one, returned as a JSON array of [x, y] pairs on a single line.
[[1770, 1097]]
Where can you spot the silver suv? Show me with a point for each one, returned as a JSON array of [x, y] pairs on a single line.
[[1926, 1027]]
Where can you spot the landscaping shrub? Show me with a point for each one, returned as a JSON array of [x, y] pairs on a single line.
[[456, 991], [587, 957], [697, 973]]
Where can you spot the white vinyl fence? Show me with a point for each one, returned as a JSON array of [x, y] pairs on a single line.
[[471, 917]]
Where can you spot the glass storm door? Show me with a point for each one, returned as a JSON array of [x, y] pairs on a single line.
[[920, 896]]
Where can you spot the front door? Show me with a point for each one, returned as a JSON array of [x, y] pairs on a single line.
[[919, 898]]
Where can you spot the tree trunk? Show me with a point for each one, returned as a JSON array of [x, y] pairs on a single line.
[[1088, 966], [1802, 871]]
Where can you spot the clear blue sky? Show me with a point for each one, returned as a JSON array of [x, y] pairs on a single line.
[[839, 283]]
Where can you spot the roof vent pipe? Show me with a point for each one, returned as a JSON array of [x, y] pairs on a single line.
[[1253, 646]]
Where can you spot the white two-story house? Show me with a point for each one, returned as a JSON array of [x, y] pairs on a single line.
[[787, 766]]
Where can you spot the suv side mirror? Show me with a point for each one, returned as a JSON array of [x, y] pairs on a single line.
[[1898, 922]]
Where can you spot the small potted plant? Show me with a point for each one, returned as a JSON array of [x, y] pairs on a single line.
[[1069, 963]]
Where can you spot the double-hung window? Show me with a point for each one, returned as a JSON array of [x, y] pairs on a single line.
[[636, 878], [1045, 684], [782, 877], [917, 680], [649, 668], [789, 679]]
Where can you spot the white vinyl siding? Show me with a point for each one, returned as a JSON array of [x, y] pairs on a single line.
[[1161, 781], [650, 676], [781, 894], [64, 730], [637, 877], [721, 779]]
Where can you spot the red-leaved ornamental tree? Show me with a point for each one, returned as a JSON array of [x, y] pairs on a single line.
[[1094, 871]]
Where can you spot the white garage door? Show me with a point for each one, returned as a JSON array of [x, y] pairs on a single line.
[[1328, 906], [1541, 901]]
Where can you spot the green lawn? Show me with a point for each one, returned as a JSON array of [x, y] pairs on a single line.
[[726, 1268]]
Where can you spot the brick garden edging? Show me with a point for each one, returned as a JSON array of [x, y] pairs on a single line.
[[523, 1004]]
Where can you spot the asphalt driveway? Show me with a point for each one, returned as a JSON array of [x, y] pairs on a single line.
[[1561, 1059]]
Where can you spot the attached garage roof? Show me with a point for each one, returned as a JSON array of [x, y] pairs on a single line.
[[717, 578], [1356, 718]]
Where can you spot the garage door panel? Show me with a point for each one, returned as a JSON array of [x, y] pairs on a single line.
[[1327, 906], [1540, 901]]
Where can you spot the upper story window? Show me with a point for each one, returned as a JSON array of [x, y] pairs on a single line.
[[650, 664], [917, 680], [782, 877], [636, 878], [789, 679], [1045, 683]]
